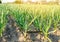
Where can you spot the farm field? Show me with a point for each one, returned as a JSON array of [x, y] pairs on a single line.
[[39, 23]]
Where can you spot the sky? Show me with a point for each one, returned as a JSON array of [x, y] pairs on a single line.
[[5, 1]]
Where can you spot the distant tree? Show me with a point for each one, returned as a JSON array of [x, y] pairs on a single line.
[[18, 1], [0, 1]]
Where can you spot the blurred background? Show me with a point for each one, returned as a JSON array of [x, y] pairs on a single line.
[[31, 1]]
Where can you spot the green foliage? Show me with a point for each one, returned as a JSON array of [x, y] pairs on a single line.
[[2, 22], [43, 17]]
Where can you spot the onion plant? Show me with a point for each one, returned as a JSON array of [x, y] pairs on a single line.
[[2, 22], [55, 19], [46, 26], [43, 23], [24, 19], [41, 16]]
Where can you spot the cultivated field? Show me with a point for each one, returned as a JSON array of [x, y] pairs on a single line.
[[31, 17]]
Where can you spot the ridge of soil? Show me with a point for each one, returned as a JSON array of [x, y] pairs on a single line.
[[12, 33]]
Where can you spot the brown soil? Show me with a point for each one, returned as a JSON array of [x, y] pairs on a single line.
[[12, 33], [17, 36]]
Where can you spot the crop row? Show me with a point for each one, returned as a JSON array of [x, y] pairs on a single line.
[[43, 17]]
